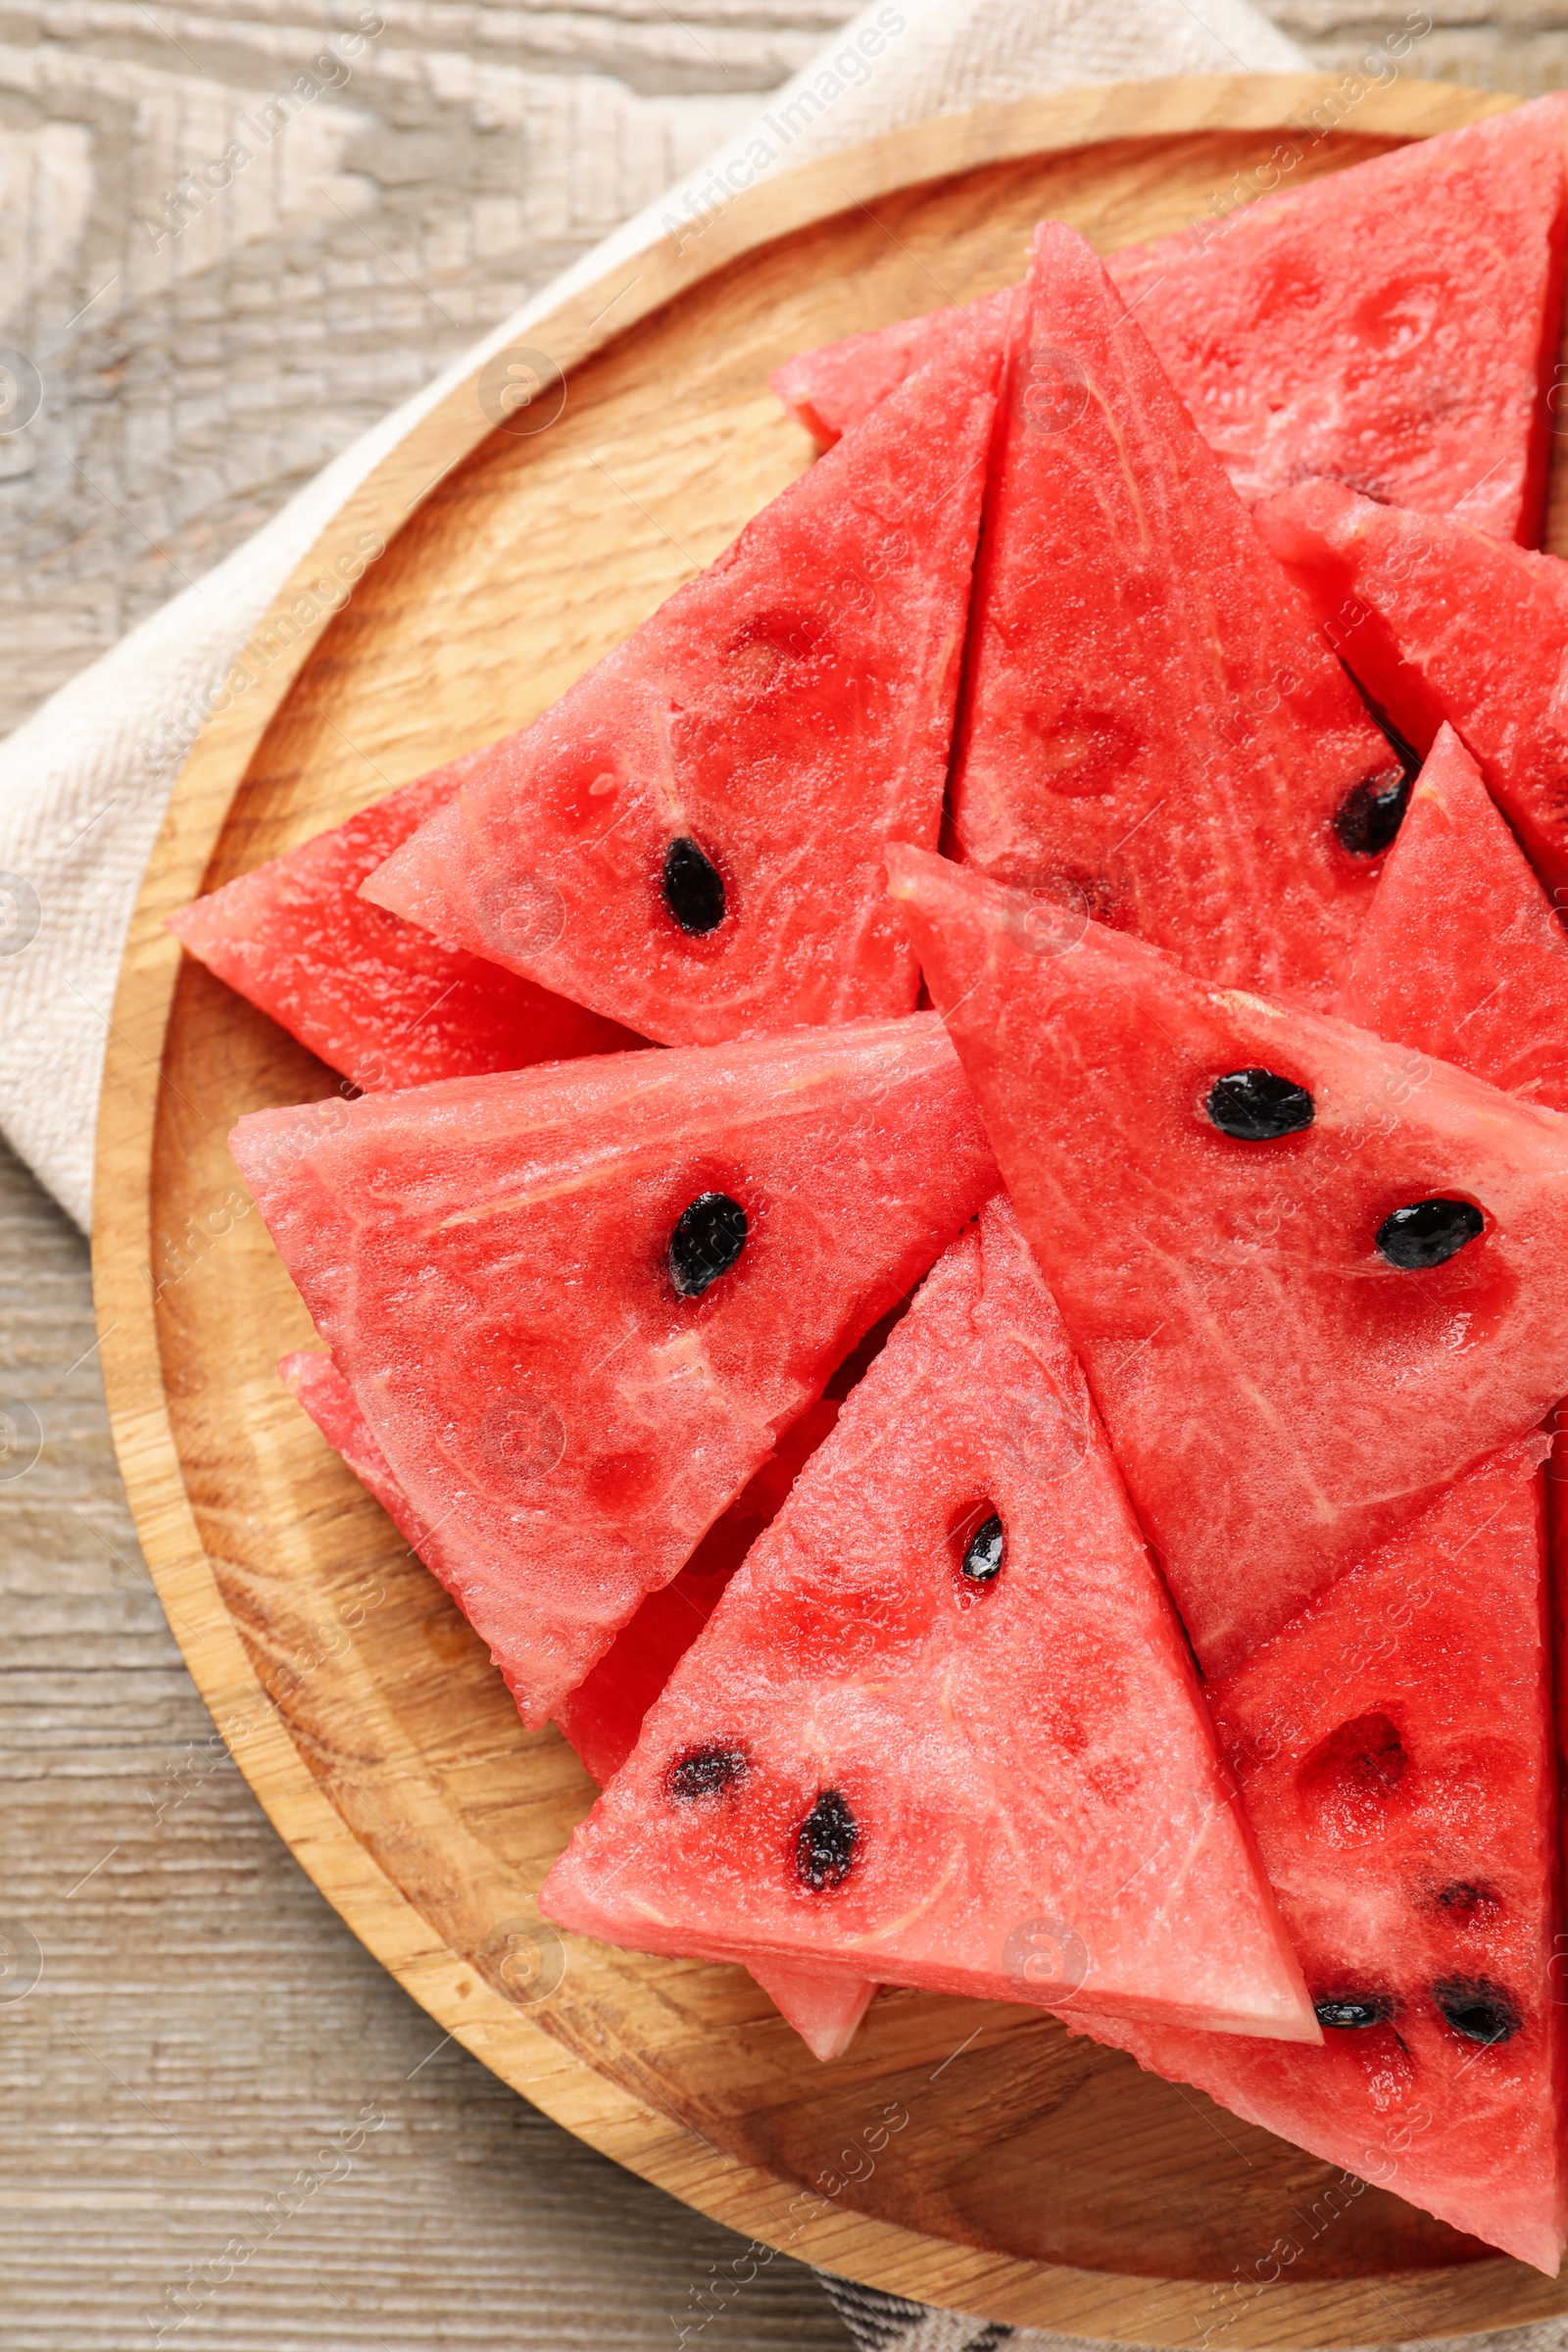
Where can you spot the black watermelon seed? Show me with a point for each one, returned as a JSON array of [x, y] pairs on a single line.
[[1349, 2011], [705, 1772], [1478, 2009], [1428, 1233], [825, 1842], [1464, 1900], [692, 888], [1372, 813], [983, 1553], [1256, 1106], [709, 1237]]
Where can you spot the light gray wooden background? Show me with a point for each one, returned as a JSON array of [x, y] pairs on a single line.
[[203, 2025]]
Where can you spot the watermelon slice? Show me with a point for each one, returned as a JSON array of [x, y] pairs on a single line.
[[1393, 325], [1440, 623], [691, 841], [942, 1729], [1393, 1746], [1311, 1277], [834, 388], [580, 1304], [602, 1716], [1461, 953], [370, 995], [1150, 720]]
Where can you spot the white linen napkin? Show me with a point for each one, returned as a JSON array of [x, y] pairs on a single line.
[[84, 781]]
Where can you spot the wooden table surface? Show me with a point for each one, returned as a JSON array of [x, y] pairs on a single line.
[[221, 2124]]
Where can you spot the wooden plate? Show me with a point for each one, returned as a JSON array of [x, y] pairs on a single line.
[[971, 2155]]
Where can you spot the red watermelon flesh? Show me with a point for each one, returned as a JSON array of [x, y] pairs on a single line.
[[1392, 326], [1392, 1744], [1440, 623], [996, 1780], [691, 840], [578, 1305], [1461, 953], [1280, 1390], [375, 997], [601, 1717], [1151, 719], [834, 388], [315, 1382]]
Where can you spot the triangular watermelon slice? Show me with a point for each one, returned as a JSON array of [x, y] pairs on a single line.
[[691, 840], [1311, 1277], [1393, 1748], [942, 1729], [602, 1717], [1440, 623], [375, 997], [1461, 953], [1393, 325], [580, 1304], [1150, 720]]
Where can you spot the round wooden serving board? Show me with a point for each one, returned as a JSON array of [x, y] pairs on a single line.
[[970, 2155]]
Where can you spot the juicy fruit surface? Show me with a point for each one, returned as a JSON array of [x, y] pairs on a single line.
[[863, 1763], [1392, 325], [1393, 1749], [781, 719], [1389, 326], [1461, 953], [1279, 1394], [315, 1382], [1151, 719], [375, 997], [836, 387], [1438, 623], [488, 1261], [602, 1716]]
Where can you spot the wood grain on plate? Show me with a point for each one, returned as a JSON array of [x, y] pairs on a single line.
[[973, 2156]]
